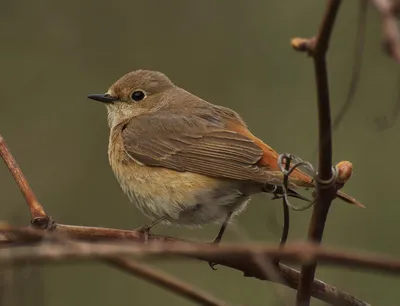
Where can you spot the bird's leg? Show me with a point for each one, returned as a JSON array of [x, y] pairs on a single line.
[[145, 229], [218, 239], [221, 232]]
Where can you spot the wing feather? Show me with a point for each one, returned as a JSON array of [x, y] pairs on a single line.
[[186, 142]]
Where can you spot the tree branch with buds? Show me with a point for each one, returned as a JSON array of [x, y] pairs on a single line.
[[48, 241]]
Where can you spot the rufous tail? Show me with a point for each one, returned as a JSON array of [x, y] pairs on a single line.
[[348, 199], [301, 179]]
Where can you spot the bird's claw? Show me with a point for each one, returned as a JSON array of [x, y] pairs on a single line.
[[215, 242], [145, 231], [212, 265]]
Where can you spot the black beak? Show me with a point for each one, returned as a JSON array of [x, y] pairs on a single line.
[[105, 98]]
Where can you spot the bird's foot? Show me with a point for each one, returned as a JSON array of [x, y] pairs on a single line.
[[215, 242], [145, 231], [212, 265]]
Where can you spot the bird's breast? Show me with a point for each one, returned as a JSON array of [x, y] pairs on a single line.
[[156, 191]]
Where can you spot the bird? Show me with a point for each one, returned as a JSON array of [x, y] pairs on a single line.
[[185, 161]]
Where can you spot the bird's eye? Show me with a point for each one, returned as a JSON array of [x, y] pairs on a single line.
[[138, 95]]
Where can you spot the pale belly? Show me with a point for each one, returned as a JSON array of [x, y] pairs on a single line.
[[184, 198]]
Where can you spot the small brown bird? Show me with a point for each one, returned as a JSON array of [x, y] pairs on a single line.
[[183, 160]]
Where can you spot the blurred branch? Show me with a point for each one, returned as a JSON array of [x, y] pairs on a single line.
[[357, 63], [239, 257], [325, 187], [166, 281], [42, 246], [388, 121], [389, 9]]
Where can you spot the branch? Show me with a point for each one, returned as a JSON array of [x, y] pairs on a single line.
[[359, 46], [38, 214], [164, 280], [390, 31], [54, 247], [325, 189], [239, 257]]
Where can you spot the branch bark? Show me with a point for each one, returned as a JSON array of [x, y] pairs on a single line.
[[53, 246], [240, 257], [37, 212], [325, 187]]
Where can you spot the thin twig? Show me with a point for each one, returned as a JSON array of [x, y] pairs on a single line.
[[325, 190], [357, 63], [164, 280], [37, 212], [285, 205]]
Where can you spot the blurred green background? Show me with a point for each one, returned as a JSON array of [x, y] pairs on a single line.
[[233, 53]]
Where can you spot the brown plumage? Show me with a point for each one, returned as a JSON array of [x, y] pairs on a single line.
[[183, 159]]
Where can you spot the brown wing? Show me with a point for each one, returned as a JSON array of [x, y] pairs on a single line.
[[196, 143]]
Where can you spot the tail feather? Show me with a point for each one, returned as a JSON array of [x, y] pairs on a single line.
[[348, 199], [341, 195], [304, 180], [301, 179]]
